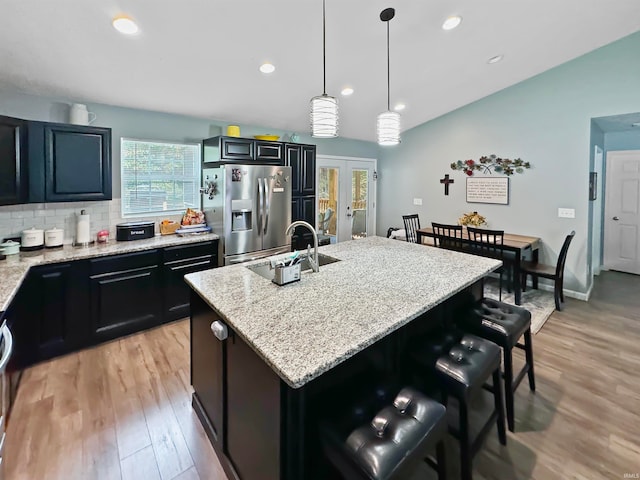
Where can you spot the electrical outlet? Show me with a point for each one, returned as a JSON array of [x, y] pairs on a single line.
[[417, 201], [566, 213]]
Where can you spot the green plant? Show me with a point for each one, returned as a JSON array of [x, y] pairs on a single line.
[[491, 164]]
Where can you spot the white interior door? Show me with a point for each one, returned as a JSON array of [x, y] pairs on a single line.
[[346, 197], [622, 212]]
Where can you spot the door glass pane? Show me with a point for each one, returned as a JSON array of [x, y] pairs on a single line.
[[359, 188], [328, 202]]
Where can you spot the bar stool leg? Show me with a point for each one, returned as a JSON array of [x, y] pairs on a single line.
[[508, 387], [441, 458], [528, 350], [497, 400], [465, 446]]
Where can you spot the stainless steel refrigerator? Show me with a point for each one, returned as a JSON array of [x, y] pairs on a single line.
[[249, 206]]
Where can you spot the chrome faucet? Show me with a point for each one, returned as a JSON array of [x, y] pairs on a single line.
[[313, 261]]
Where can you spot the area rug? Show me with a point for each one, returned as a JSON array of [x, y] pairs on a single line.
[[539, 302]]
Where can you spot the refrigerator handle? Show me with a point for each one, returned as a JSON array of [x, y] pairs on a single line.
[[267, 206], [260, 205]]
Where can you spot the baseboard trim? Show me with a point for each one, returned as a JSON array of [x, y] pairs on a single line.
[[567, 293]]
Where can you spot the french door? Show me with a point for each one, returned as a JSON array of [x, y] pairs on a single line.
[[346, 197]]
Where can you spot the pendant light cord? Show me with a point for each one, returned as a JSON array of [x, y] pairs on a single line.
[[388, 70], [324, 48]]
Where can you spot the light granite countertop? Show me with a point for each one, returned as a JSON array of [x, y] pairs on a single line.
[[15, 267], [303, 329]]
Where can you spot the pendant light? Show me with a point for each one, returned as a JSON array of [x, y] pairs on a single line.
[[388, 127], [324, 108]]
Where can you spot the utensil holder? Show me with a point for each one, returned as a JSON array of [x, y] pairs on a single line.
[[285, 275]]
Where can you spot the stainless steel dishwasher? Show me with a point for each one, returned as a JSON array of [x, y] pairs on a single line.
[[6, 345]]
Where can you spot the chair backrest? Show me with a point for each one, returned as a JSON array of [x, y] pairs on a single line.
[[359, 223], [562, 258], [411, 224], [324, 223], [448, 236], [488, 243]]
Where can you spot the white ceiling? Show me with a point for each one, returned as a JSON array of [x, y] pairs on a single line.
[[201, 57]]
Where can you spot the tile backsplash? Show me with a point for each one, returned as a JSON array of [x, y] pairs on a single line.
[[104, 215]]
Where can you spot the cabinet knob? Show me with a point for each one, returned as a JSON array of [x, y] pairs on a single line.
[[220, 330]]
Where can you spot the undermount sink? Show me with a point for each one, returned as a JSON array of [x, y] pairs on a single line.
[[265, 270]]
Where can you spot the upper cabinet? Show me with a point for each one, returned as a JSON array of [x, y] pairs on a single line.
[[241, 150], [13, 161], [69, 163], [302, 160]]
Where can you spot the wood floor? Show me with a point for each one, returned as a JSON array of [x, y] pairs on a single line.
[[122, 410]]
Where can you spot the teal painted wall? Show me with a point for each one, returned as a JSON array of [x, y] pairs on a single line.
[[622, 140], [148, 125], [545, 120]]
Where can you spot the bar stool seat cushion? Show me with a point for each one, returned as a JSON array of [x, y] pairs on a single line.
[[399, 436], [467, 365], [499, 322]]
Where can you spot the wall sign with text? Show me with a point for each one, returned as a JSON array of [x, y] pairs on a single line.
[[488, 190]]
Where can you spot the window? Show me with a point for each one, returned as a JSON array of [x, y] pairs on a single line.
[[159, 176]]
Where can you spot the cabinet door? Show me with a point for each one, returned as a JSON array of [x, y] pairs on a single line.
[[13, 161], [124, 300], [293, 159], [176, 291], [207, 366], [232, 148], [308, 170], [269, 152], [253, 412], [77, 163]]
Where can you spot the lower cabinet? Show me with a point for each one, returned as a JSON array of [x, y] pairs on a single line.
[[63, 307], [124, 294], [46, 317], [177, 262]]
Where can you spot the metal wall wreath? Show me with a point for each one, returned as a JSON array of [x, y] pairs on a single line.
[[491, 164]]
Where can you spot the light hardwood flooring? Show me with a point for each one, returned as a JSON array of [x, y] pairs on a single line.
[[122, 410]]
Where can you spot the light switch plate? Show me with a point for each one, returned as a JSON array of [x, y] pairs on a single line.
[[417, 201], [566, 213]]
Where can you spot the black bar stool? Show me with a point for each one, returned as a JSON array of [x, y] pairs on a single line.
[[504, 324], [462, 373], [392, 444]]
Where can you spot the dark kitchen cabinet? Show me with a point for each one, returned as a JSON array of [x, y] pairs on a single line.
[[69, 163], [49, 311], [14, 178], [124, 294], [302, 160], [208, 372], [220, 150], [177, 262]]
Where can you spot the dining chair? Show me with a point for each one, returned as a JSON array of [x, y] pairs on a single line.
[[411, 224], [555, 273], [448, 236], [324, 220], [489, 243]]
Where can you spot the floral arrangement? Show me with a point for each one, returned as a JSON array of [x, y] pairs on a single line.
[[473, 219], [491, 164]]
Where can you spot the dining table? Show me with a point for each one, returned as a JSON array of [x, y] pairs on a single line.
[[520, 245]]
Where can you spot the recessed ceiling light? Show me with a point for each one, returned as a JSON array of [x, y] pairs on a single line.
[[347, 91], [399, 107], [451, 22], [125, 24], [495, 59], [267, 68]]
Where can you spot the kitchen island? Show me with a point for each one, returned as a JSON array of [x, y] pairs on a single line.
[[289, 348]]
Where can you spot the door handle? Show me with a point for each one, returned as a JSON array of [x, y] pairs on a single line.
[[267, 207], [220, 330], [260, 206], [616, 218]]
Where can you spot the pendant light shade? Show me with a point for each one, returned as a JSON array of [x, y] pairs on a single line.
[[388, 128], [324, 108]]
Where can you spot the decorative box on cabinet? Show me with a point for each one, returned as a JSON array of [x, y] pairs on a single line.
[[14, 178], [69, 163]]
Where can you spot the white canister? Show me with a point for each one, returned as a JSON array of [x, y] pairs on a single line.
[[32, 238], [79, 115], [53, 237]]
